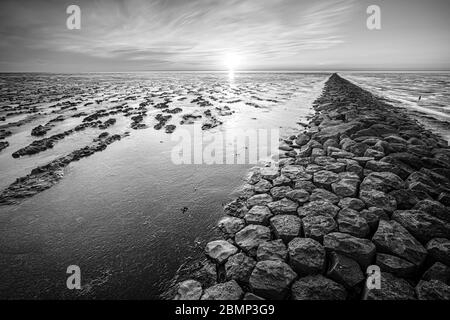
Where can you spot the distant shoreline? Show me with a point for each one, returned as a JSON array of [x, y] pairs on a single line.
[[237, 72]]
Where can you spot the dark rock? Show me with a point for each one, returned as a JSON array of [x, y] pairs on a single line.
[[272, 250], [342, 154], [281, 181], [358, 149], [258, 215], [206, 274], [254, 175], [283, 206], [351, 203], [438, 271], [422, 182], [376, 154], [249, 238], [230, 225], [4, 145], [170, 128], [344, 270], [298, 195], [246, 191], [392, 288], [189, 290], [421, 225], [395, 265], [373, 215], [286, 227], [330, 143], [259, 200], [363, 160], [272, 279], [394, 239], [406, 158], [306, 256], [434, 208], [380, 166], [382, 181], [325, 178], [236, 208], [318, 208], [279, 192], [269, 173], [239, 267], [302, 139], [432, 290], [324, 195], [346, 187], [336, 167], [317, 287], [405, 199], [263, 186], [350, 221], [220, 250], [439, 250], [361, 250], [379, 199], [40, 130], [444, 198], [308, 186], [316, 226], [223, 291], [293, 172]]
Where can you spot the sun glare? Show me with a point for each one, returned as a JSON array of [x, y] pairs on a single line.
[[232, 61]]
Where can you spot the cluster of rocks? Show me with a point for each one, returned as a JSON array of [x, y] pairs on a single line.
[[211, 122], [137, 122], [19, 123], [173, 111], [4, 133], [44, 177], [162, 120], [189, 118], [42, 130], [364, 185], [201, 102], [3, 145], [48, 143], [108, 123]]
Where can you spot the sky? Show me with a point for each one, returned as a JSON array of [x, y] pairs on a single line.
[[290, 35]]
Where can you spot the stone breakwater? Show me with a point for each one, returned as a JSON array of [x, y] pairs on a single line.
[[363, 185]]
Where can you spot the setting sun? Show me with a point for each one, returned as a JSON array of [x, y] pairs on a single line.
[[232, 61]]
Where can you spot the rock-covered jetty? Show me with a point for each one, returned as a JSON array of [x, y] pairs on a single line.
[[364, 185]]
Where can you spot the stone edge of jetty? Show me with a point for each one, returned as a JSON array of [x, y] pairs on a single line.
[[364, 185]]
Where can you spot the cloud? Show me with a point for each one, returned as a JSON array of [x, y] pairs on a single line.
[[177, 31]]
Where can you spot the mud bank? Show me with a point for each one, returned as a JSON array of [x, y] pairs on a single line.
[[44, 177], [363, 185]]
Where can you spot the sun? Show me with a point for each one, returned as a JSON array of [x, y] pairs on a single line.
[[232, 61]]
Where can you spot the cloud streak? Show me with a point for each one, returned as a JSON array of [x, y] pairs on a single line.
[[176, 34]]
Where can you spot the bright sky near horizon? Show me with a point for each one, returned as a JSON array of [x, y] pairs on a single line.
[[139, 35]]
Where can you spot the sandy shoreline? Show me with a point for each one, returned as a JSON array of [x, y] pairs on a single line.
[[364, 185]]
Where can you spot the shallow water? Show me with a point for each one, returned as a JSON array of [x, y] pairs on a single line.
[[404, 89], [118, 213]]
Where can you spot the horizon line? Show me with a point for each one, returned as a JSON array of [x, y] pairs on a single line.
[[243, 71]]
